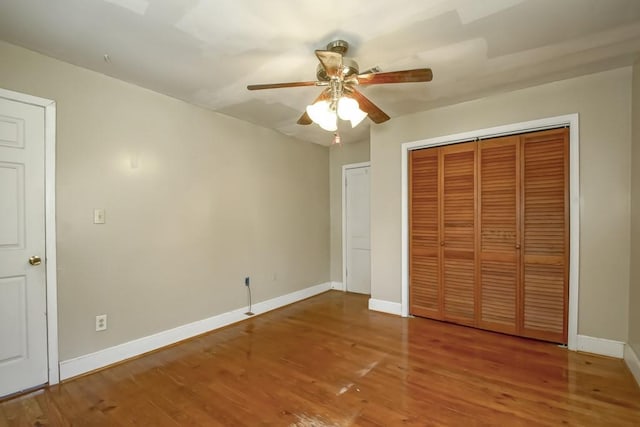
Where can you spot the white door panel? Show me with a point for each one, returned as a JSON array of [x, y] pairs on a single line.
[[23, 328], [11, 210], [13, 316], [358, 247], [11, 132]]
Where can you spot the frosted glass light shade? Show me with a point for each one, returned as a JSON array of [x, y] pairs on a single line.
[[318, 111], [348, 109], [321, 113], [330, 122], [357, 117], [326, 117]]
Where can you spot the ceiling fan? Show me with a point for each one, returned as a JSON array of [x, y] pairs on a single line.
[[341, 76]]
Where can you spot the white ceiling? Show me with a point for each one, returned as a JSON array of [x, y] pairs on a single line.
[[207, 51]]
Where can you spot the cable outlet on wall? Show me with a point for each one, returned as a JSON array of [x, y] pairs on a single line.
[[101, 322], [98, 216], [247, 281]]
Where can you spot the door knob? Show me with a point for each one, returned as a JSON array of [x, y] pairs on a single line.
[[35, 260], [517, 245]]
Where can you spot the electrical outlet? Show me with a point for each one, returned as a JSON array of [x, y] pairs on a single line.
[[98, 216], [101, 322], [247, 281]]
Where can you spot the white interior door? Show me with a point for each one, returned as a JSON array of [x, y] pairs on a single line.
[[357, 241], [23, 325]]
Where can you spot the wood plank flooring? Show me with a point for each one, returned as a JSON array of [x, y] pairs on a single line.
[[328, 361]]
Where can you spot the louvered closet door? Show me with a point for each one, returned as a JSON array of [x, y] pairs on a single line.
[[499, 198], [545, 228], [425, 297], [458, 231]]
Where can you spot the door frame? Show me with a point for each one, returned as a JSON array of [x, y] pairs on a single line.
[[570, 120], [344, 216], [49, 108]]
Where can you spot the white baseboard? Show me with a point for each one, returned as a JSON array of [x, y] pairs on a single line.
[[633, 362], [385, 306], [601, 346], [90, 362], [338, 286]]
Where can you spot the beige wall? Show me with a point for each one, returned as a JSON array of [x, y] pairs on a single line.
[[212, 200], [603, 102], [634, 291], [339, 155]]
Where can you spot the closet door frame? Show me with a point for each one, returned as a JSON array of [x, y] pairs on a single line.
[[572, 122]]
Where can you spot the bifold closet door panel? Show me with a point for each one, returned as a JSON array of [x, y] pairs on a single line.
[[458, 231], [499, 245], [425, 291], [545, 234]]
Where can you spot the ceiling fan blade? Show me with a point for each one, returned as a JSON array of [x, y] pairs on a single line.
[[331, 61], [280, 85], [406, 76], [375, 113], [305, 119]]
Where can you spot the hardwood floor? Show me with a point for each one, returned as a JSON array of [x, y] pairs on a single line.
[[328, 361]]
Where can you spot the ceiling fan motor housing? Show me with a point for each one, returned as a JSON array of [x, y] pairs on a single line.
[[349, 68], [338, 46]]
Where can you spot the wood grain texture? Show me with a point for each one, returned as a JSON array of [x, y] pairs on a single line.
[[331, 62], [545, 231], [328, 361], [405, 76], [458, 227], [498, 206], [502, 213], [424, 238], [281, 85]]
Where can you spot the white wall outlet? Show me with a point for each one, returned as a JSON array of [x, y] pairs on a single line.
[[101, 322], [98, 216]]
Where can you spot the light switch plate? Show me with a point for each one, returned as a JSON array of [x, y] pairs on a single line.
[[98, 216]]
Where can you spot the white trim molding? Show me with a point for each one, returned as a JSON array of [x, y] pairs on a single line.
[[600, 346], [344, 216], [338, 286], [49, 108], [570, 120], [385, 306], [102, 358], [632, 361]]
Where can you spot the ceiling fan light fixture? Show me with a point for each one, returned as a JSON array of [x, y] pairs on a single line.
[[356, 120], [326, 115], [341, 76], [322, 114], [330, 123], [318, 110], [349, 109]]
